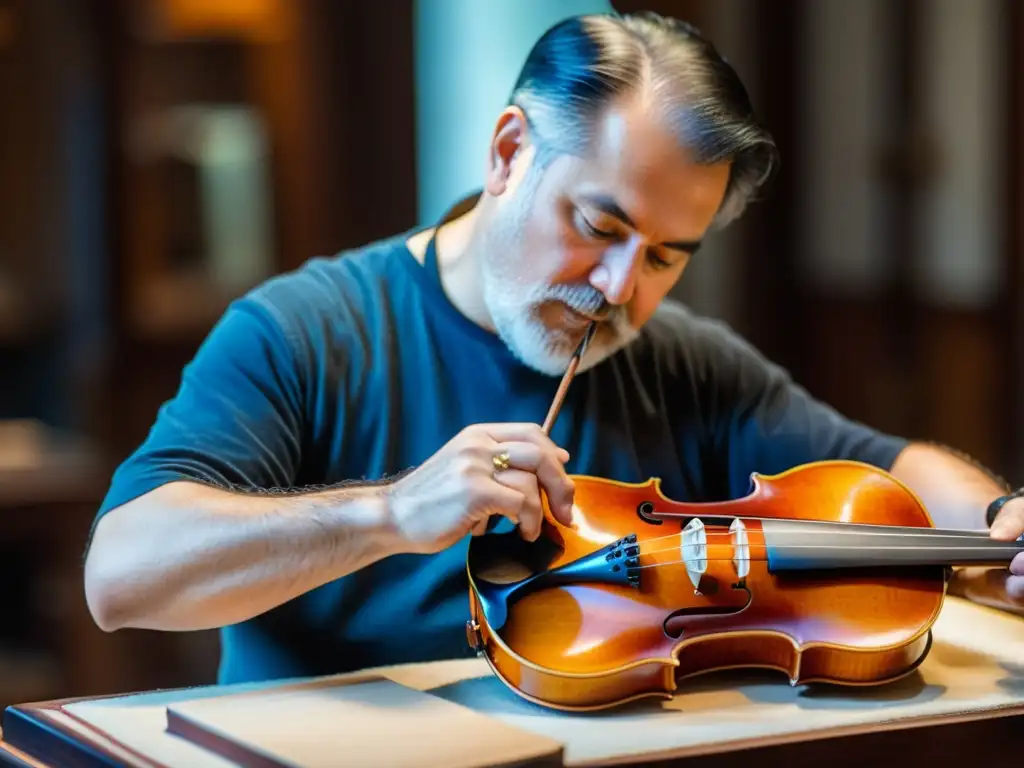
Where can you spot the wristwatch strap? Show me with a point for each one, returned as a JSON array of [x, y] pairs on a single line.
[[995, 506]]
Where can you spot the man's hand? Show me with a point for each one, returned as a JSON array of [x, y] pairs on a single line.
[[957, 492], [1008, 526], [458, 489]]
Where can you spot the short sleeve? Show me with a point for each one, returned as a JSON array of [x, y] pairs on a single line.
[[236, 419], [762, 421]]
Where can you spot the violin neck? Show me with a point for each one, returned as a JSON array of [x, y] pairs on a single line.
[[809, 544]]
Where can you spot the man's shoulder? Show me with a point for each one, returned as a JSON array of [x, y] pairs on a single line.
[[676, 330], [681, 343], [336, 291], [319, 282]]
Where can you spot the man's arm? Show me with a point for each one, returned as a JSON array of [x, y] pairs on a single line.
[[187, 556], [193, 533], [174, 547], [955, 490]]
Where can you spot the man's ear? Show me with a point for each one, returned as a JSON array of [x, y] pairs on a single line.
[[508, 144]]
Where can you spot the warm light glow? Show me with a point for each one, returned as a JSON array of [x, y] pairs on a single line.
[[254, 20], [587, 532], [7, 27]]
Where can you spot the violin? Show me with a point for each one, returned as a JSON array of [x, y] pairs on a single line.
[[831, 572]]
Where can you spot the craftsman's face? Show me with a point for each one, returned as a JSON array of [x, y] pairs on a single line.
[[601, 237]]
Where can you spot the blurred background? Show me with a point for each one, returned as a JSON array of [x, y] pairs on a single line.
[[160, 157]]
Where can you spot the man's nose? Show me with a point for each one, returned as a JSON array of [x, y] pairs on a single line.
[[616, 274]]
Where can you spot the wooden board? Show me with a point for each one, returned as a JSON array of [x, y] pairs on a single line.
[[372, 723]]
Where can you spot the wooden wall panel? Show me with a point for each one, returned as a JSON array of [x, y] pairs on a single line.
[[1011, 312], [338, 97], [960, 260], [773, 317], [959, 383], [847, 366]]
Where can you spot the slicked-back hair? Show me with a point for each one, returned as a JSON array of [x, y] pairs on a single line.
[[583, 63]]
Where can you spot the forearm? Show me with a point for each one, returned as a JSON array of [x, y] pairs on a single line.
[[955, 491], [188, 556]]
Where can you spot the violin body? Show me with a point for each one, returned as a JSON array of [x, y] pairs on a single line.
[[643, 591]]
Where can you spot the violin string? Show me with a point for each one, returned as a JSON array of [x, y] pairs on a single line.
[[713, 537], [834, 528], [871, 533], [749, 559], [708, 560], [1006, 548], [995, 545]]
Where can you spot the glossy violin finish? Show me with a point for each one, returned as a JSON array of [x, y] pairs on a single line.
[[831, 572]]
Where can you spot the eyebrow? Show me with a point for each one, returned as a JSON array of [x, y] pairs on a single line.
[[608, 205]]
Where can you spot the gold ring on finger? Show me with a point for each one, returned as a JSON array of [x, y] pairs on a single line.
[[500, 461]]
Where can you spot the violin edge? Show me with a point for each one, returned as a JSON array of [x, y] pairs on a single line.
[[758, 480], [660, 674], [656, 679], [822, 663]]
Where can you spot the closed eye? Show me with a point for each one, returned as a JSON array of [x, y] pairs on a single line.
[[589, 229], [657, 261]]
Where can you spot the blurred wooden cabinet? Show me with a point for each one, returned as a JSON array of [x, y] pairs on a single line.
[[50, 485], [158, 158], [243, 138], [198, 201]]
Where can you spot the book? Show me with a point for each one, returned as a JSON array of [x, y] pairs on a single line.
[[375, 722]]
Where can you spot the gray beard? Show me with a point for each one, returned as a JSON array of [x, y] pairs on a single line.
[[514, 305], [514, 301]]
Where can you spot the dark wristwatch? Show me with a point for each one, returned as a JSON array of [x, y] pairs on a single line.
[[995, 506]]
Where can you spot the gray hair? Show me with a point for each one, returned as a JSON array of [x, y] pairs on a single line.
[[583, 62]]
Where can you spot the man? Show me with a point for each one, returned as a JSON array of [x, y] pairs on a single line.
[[312, 486]]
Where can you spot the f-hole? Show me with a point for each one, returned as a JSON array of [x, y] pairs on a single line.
[[678, 622], [645, 511]]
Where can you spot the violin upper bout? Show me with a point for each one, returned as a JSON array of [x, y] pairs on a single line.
[[837, 489], [598, 492]]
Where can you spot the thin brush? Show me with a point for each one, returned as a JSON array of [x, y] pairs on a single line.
[[556, 404]]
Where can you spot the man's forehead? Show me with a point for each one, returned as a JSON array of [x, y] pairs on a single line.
[[633, 137], [637, 161]]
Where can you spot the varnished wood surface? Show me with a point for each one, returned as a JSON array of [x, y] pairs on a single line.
[[592, 645]]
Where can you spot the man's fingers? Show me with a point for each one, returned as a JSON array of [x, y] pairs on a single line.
[[564, 514], [530, 513], [548, 470], [504, 500], [1015, 587], [559, 488], [1017, 565], [1009, 523], [516, 432]]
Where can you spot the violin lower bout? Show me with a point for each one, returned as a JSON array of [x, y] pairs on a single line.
[[569, 691], [542, 665]]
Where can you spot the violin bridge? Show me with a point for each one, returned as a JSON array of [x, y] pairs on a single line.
[[740, 548], [694, 546]]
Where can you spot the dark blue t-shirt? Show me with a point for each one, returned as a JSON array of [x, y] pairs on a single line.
[[358, 367]]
